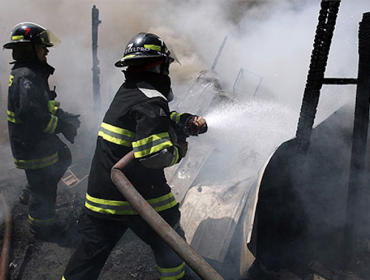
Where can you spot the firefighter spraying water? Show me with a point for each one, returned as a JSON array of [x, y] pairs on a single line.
[[247, 217], [139, 122]]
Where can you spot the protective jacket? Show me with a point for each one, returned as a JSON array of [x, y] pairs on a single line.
[[138, 119], [32, 119]]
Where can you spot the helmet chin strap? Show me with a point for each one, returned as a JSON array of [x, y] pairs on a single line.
[[165, 67], [154, 67], [159, 67]]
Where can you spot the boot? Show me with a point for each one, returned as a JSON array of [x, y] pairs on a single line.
[[50, 233]]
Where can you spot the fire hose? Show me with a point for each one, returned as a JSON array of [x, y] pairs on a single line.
[[6, 242], [169, 235]]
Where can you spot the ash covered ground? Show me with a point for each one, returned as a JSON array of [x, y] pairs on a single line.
[[132, 259], [31, 259]]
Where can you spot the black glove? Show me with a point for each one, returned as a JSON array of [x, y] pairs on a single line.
[[192, 129], [68, 123], [69, 132], [69, 118], [195, 130]]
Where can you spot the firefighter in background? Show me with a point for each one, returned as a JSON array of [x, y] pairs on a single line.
[[34, 120], [138, 119]]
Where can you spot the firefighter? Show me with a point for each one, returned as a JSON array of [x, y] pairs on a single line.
[[138, 119], [34, 120]]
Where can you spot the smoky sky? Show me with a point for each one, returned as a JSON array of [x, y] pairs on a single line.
[[271, 39]]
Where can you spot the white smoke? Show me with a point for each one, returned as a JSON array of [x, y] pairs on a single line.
[[271, 38], [248, 134]]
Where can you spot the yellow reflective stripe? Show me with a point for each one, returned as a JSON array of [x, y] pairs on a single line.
[[116, 135], [114, 139], [162, 203], [176, 116], [117, 130], [151, 144], [171, 273], [88, 205], [53, 106], [115, 207], [41, 223], [11, 80], [52, 125], [12, 118], [36, 163], [176, 156], [107, 202], [127, 56], [63, 278], [153, 47], [17, 37]]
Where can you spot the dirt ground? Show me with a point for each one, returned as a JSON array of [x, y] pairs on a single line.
[[31, 259], [132, 259]]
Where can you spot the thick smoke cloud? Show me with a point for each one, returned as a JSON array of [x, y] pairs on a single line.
[[272, 39]]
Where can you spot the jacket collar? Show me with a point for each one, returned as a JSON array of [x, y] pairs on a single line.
[[150, 80], [36, 66]]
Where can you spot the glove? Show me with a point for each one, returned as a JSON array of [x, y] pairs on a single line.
[[69, 118], [69, 123], [196, 125], [69, 131]]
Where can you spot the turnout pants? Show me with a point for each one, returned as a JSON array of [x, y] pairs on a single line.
[[99, 236], [43, 185]]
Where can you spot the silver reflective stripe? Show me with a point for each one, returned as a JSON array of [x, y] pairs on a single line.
[[115, 207], [171, 273], [36, 163], [112, 207], [149, 145], [116, 135], [41, 223], [150, 93], [176, 156]]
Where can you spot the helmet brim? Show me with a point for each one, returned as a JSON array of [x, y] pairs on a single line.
[[134, 59], [11, 44], [46, 38]]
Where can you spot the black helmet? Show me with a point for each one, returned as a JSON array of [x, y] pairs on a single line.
[[143, 47], [28, 32]]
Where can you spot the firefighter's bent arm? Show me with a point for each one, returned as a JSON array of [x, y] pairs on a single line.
[[155, 142]]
